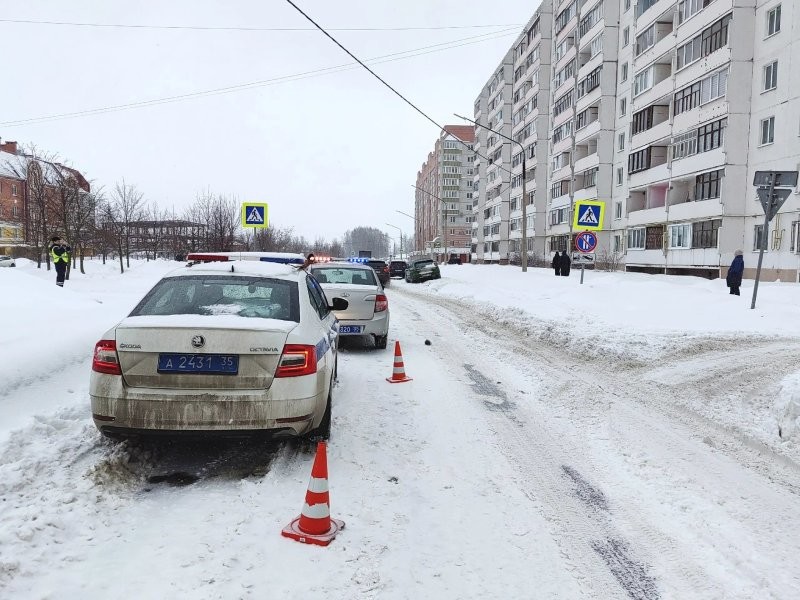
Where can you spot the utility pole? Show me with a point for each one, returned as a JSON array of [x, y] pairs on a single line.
[[524, 258]]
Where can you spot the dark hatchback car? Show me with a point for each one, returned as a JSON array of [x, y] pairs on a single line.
[[381, 270], [397, 268], [421, 270]]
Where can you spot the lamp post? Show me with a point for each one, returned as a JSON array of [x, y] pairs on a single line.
[[524, 194], [444, 218], [401, 237], [415, 224]]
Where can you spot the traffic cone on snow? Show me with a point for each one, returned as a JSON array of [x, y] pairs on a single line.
[[314, 525], [399, 370]]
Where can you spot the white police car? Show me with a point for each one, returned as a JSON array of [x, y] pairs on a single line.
[[225, 346], [367, 313]]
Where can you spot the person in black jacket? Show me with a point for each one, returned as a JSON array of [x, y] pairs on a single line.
[[735, 272], [556, 264], [566, 262], [60, 254]]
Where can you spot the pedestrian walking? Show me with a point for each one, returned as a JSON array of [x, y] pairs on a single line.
[[557, 264], [566, 262], [60, 253], [735, 272]]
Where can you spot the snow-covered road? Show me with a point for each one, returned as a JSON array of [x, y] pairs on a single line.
[[508, 467]]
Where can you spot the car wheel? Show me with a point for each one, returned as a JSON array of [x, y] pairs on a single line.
[[323, 431], [381, 341], [437, 276]]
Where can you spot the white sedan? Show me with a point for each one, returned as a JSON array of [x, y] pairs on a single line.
[[368, 311], [221, 347]]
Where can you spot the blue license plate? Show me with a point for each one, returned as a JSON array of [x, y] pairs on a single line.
[[226, 364], [351, 329]]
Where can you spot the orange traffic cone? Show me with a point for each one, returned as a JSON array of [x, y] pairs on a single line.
[[314, 525], [399, 371]]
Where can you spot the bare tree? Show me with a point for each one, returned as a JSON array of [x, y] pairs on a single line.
[[113, 230], [128, 206], [84, 220]]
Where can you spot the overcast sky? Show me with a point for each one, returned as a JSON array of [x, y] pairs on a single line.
[[327, 153]]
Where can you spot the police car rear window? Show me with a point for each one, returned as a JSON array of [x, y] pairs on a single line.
[[344, 275], [253, 297]]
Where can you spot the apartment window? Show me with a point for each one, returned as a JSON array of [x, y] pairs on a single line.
[[626, 36], [590, 177], [561, 48], [688, 8], [767, 131], [13, 189], [596, 47], [636, 239], [14, 211], [591, 19], [774, 21], [627, 5], [759, 239], [565, 73], [710, 136], [716, 36], [705, 233], [562, 132], [617, 210], [560, 160], [624, 72], [686, 99], [623, 107], [620, 175], [689, 52], [654, 237], [646, 39], [642, 120], [516, 160], [643, 5], [621, 141], [558, 216], [516, 181], [714, 86], [590, 82], [449, 145], [559, 188], [582, 120], [771, 76], [643, 81], [558, 243], [639, 161], [707, 185], [680, 236], [563, 103], [564, 17], [684, 145]]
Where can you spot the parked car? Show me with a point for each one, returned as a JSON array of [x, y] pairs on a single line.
[[454, 260], [220, 347], [381, 269], [7, 261], [397, 268], [422, 269], [368, 311]]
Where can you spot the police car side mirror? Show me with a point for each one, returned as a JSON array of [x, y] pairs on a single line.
[[339, 304]]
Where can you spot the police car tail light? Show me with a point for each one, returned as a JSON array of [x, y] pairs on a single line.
[[105, 358], [381, 303], [297, 360]]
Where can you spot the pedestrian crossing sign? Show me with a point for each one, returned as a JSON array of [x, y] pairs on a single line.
[[588, 215], [255, 215]]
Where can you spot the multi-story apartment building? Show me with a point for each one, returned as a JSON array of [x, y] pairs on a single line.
[[707, 111], [444, 195], [637, 102], [583, 113], [513, 105]]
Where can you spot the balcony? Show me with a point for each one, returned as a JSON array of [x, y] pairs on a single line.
[[589, 161], [657, 133], [649, 11], [590, 130], [696, 163], [656, 173], [662, 49]]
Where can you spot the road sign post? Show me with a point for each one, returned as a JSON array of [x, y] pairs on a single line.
[[585, 243], [771, 201]]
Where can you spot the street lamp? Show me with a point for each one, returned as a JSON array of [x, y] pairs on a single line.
[[524, 196], [401, 237], [444, 217]]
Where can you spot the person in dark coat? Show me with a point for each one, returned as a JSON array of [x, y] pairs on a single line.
[[60, 254], [566, 262], [735, 272], [557, 264]]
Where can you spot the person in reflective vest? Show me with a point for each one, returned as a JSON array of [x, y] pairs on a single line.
[[60, 254]]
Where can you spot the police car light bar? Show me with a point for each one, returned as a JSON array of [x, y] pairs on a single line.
[[285, 258], [355, 259]]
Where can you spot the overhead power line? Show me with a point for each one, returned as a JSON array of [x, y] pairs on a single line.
[[386, 58], [244, 28], [379, 78]]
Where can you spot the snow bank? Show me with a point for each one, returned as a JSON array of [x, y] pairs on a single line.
[[632, 315], [787, 408]]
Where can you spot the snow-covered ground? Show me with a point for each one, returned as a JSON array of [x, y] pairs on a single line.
[[509, 467]]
